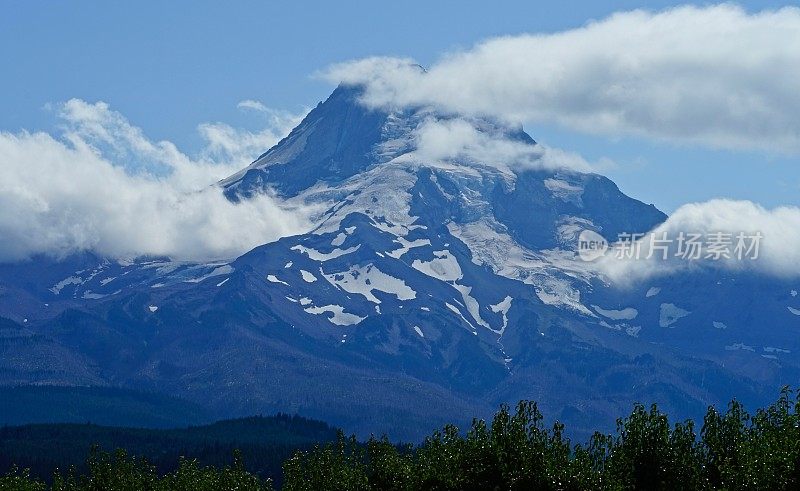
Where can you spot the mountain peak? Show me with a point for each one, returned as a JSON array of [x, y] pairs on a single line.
[[342, 137], [334, 141]]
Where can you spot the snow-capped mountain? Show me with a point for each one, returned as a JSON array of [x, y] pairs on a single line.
[[430, 289]]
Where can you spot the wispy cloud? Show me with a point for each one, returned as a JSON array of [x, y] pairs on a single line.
[[717, 76], [253, 105], [239, 147]]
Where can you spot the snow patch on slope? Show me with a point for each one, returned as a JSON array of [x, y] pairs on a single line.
[[406, 245], [274, 279], [222, 270], [72, 280], [339, 317], [473, 307], [628, 313], [363, 280], [443, 267], [324, 256], [739, 346], [502, 308], [670, 314]]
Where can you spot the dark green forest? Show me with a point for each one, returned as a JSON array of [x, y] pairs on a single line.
[[729, 449], [264, 443]]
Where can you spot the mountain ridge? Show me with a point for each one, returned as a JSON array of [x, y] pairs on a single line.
[[429, 287]]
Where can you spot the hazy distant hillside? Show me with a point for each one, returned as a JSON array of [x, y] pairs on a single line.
[[99, 405]]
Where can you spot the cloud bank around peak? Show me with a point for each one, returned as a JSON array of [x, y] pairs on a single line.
[[716, 76], [102, 185]]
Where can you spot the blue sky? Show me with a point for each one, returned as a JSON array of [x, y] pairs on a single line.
[[169, 66]]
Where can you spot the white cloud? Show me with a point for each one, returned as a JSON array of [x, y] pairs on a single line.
[[253, 105], [240, 147], [778, 250], [106, 187], [716, 76], [479, 141], [462, 139]]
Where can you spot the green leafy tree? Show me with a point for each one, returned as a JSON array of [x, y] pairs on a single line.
[[335, 466], [20, 480]]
